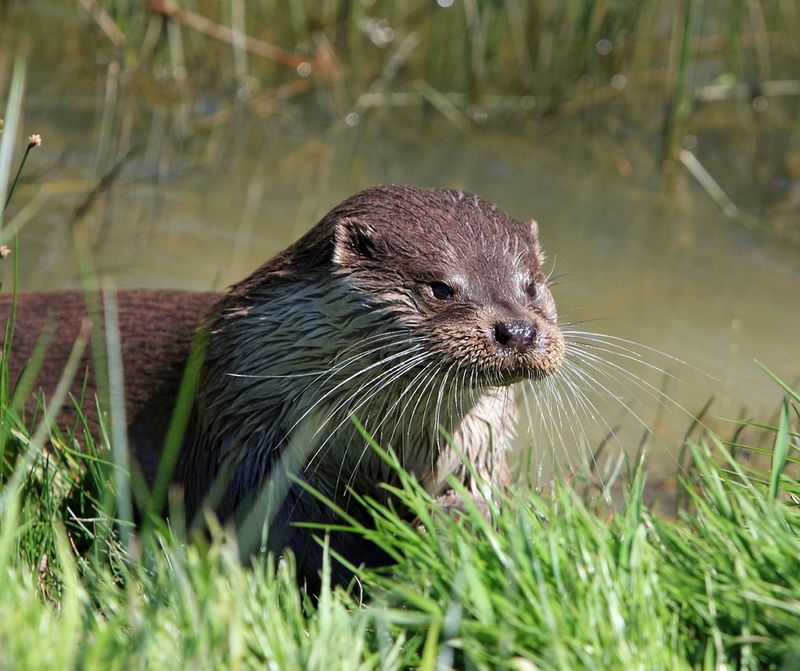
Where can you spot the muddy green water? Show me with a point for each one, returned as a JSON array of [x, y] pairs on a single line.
[[662, 268]]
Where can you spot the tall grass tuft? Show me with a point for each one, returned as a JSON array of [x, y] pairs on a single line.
[[543, 583]]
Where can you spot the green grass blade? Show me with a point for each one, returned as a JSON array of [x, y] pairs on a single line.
[[119, 437], [780, 452], [791, 392]]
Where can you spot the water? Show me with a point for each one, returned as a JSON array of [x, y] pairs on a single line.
[[662, 268]]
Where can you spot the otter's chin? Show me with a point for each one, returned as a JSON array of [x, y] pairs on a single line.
[[533, 365]]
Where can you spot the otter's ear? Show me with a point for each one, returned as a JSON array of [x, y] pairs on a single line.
[[353, 242]]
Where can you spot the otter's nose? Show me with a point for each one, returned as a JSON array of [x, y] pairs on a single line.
[[518, 334]]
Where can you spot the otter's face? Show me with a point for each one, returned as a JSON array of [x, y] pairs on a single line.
[[454, 268]]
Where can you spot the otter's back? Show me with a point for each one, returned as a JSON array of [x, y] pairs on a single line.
[[156, 327]]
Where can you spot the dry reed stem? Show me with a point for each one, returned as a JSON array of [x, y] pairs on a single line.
[[201, 24], [104, 21]]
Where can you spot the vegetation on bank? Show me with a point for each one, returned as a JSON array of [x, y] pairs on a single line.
[[552, 582]]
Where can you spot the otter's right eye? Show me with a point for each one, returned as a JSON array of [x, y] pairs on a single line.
[[441, 291]]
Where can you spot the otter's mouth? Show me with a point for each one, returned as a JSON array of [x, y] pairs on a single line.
[[506, 378], [511, 370]]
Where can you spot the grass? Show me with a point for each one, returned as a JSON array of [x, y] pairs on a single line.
[[549, 583]]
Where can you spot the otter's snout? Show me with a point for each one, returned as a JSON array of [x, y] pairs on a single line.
[[518, 334]]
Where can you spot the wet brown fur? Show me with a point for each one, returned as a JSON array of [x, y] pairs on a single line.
[[366, 267], [156, 326]]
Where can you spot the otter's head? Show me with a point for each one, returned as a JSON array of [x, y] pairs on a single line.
[[451, 267]]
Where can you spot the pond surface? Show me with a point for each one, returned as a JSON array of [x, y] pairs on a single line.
[[660, 267]]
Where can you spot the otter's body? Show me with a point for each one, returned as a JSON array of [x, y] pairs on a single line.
[[157, 327], [412, 310]]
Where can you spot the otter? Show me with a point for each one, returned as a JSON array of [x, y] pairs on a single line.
[[414, 311]]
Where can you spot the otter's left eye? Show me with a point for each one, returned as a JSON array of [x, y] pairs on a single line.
[[441, 291], [532, 289]]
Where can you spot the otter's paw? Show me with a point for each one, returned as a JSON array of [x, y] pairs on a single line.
[[453, 504]]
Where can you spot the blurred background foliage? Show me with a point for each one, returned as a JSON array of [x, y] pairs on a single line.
[[708, 88]]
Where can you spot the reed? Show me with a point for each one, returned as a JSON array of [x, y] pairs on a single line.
[[653, 70]]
